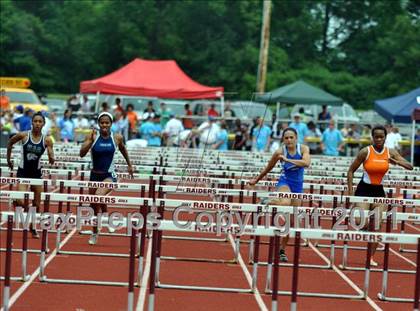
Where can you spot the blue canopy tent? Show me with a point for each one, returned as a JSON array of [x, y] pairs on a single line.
[[400, 108]]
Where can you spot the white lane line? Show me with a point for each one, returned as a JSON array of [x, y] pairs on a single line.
[[402, 257], [345, 278], [145, 278], [257, 294], [34, 275], [411, 226]]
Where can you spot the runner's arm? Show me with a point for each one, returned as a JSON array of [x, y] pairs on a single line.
[[13, 140], [274, 159], [87, 144], [306, 158], [123, 150], [361, 156], [397, 159], [50, 150]]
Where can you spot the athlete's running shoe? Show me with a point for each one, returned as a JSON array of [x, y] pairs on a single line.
[[283, 257], [93, 239], [35, 234]]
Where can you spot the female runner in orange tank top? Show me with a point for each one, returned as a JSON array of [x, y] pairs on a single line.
[[376, 159]]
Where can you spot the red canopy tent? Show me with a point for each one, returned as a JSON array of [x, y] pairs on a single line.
[[158, 78]]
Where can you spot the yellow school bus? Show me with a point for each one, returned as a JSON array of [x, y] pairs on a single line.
[[18, 92]]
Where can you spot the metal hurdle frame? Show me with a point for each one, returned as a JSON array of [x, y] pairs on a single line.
[[231, 182], [72, 198], [274, 252], [226, 192], [346, 246], [366, 269], [24, 250], [252, 247], [163, 182], [236, 250], [144, 208], [111, 185], [297, 233], [159, 284], [154, 271], [162, 194], [344, 265], [8, 263], [383, 294], [172, 167], [29, 182], [208, 260], [414, 192]]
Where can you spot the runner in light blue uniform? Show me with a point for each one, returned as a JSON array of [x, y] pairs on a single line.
[[294, 158], [292, 175]]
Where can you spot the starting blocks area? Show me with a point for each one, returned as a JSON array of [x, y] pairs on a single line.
[[189, 231]]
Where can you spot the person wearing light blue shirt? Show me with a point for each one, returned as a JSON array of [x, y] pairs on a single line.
[[66, 125], [150, 132], [261, 136], [332, 141], [157, 131], [301, 128], [221, 138]]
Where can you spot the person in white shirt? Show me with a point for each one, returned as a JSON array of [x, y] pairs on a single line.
[[149, 112], [172, 130], [208, 132], [86, 107], [80, 123], [48, 124], [120, 124], [396, 131], [393, 139]]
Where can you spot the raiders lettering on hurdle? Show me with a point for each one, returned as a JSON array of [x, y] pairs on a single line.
[[199, 190], [196, 179], [10, 181]]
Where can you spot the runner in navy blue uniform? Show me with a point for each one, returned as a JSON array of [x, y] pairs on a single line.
[[294, 158], [103, 146], [33, 146]]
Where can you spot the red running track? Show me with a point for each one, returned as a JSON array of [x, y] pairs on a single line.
[[36, 295]]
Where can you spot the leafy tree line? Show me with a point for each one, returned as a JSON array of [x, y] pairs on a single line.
[[358, 50]]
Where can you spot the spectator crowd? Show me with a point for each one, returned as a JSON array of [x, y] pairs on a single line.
[[159, 126]]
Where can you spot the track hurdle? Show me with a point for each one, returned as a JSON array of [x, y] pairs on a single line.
[[143, 204], [383, 294], [8, 263], [304, 233], [26, 196], [406, 192], [43, 277], [346, 247]]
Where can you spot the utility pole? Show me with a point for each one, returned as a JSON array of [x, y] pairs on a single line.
[[265, 41]]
